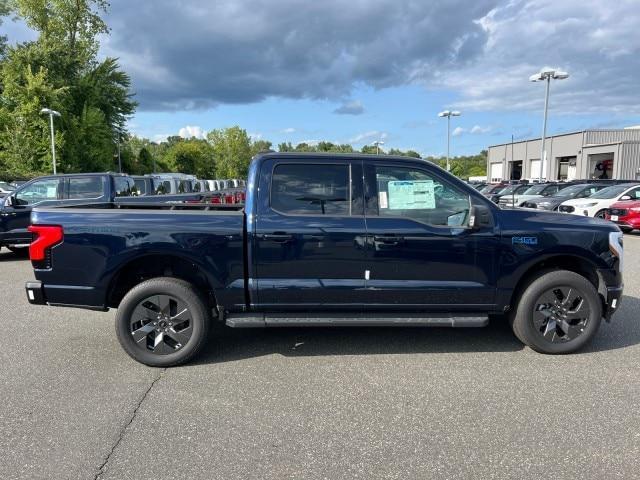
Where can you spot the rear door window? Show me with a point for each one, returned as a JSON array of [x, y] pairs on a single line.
[[84, 188], [303, 189]]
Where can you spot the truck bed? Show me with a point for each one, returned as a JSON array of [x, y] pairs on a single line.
[[100, 242]]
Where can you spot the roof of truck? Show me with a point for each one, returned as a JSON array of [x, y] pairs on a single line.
[[332, 155]]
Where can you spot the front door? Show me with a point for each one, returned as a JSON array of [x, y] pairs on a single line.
[[17, 217], [422, 253], [309, 236]]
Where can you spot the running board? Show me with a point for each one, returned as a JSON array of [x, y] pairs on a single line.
[[260, 320]]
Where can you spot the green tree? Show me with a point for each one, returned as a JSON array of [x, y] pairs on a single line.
[[24, 132], [192, 156], [260, 146], [93, 97], [232, 151]]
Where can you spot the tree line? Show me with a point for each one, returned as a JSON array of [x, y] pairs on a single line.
[[60, 70]]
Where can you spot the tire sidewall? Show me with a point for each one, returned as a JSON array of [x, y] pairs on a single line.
[[523, 322], [179, 289]]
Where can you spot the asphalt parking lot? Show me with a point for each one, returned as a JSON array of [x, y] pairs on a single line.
[[315, 403]]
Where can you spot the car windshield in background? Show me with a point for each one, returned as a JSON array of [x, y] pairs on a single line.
[[570, 191], [6, 186], [536, 189], [610, 192], [509, 189]]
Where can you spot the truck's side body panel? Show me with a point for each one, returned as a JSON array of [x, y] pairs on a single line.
[[98, 243]]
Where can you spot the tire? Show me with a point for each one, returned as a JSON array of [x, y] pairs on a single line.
[[184, 333], [600, 214], [535, 325], [19, 250], [626, 229]]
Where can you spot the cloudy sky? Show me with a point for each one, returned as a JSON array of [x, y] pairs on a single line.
[[355, 71]]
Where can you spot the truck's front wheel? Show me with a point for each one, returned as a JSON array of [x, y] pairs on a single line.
[[559, 312], [162, 322]]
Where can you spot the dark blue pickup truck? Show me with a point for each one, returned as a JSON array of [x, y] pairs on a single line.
[[330, 240]]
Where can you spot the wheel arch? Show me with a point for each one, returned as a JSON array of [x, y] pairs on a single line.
[[572, 263], [154, 265]]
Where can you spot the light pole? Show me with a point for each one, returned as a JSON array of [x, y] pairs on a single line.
[[52, 113], [377, 143], [449, 114], [546, 74]]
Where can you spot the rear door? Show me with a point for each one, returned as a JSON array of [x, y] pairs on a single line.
[[421, 252], [309, 235]]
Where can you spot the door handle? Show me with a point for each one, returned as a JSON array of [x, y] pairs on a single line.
[[388, 239], [277, 237]]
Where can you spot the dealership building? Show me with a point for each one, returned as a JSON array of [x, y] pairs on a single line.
[[570, 156]]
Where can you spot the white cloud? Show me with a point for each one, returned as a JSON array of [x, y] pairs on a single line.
[[288, 130], [477, 129], [192, 131], [368, 137], [255, 136], [458, 131]]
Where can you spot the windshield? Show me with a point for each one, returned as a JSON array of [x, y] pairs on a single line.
[[570, 191], [536, 189], [610, 192]]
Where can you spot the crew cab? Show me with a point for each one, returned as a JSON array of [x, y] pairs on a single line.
[[330, 240]]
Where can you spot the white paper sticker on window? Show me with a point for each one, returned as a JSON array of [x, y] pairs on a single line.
[[52, 192], [383, 200], [411, 194]]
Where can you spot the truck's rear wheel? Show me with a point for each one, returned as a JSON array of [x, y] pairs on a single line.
[[162, 322], [559, 312]]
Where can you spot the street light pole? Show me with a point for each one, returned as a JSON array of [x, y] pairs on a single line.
[[52, 113], [547, 75], [449, 114], [377, 143]]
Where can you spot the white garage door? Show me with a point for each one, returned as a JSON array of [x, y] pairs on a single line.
[[496, 172]]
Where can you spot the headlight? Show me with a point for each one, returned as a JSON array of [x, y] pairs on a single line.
[[586, 205]]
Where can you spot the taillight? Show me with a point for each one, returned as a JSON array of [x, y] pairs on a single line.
[[44, 237]]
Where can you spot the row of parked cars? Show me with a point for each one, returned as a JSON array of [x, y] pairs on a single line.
[[615, 200], [98, 189]]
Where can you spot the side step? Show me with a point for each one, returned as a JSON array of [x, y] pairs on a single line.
[[259, 320]]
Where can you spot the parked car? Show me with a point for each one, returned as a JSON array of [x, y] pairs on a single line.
[[552, 202], [148, 185], [173, 183], [512, 189], [625, 214], [201, 186], [598, 203], [537, 191], [328, 239], [90, 189]]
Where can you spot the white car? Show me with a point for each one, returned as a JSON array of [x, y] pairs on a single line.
[[597, 204]]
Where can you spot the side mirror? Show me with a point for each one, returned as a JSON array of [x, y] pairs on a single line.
[[10, 201], [625, 197], [480, 217]]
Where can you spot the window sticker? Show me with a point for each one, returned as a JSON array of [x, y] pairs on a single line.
[[52, 192], [383, 200], [411, 194]]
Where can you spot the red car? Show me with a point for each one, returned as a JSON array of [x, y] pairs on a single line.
[[625, 214]]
